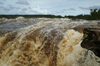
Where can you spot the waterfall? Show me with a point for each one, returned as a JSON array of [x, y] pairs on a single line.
[[46, 44]]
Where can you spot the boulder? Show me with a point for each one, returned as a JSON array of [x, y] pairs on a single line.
[[91, 40]]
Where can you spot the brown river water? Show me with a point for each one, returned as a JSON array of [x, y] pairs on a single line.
[[43, 42]]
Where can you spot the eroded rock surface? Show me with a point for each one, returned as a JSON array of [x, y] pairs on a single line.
[[91, 40]]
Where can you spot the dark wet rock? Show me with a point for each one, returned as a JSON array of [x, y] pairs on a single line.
[[91, 40], [91, 37]]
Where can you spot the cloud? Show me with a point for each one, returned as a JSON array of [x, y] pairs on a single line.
[[91, 7], [94, 7], [12, 7], [71, 9], [1, 3], [67, 10], [84, 8], [9, 9], [37, 10], [24, 9], [22, 2], [2, 8], [3, 0]]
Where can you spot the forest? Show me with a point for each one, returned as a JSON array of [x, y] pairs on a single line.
[[29, 16], [94, 15]]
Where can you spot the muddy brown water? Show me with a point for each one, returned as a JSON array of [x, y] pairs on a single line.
[[50, 42]]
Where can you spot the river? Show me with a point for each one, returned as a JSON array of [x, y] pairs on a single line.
[[44, 42]]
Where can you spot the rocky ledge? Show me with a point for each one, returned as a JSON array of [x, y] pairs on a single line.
[[91, 40], [91, 37]]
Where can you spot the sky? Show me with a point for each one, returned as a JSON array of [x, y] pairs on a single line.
[[54, 7]]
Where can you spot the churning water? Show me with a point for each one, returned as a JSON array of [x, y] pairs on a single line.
[[43, 42]]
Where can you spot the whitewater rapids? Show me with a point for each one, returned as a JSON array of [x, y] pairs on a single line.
[[43, 42]]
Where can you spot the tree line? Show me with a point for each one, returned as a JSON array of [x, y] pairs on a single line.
[[94, 15], [29, 16]]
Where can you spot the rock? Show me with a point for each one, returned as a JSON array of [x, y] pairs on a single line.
[[91, 40]]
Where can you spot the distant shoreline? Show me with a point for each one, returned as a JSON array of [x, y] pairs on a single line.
[[94, 15], [30, 16]]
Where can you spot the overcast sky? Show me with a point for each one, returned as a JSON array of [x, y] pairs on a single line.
[[56, 7]]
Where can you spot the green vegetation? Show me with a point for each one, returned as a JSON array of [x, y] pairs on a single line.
[[94, 15], [30, 16]]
